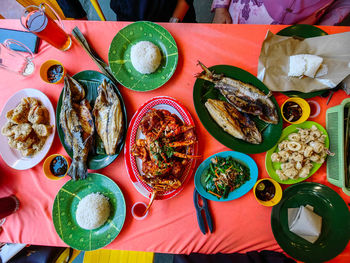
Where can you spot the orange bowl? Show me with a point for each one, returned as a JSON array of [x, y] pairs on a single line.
[[47, 170], [45, 67]]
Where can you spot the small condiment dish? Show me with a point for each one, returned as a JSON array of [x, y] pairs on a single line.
[[47, 163], [138, 210], [305, 110], [47, 66], [277, 194], [315, 108]]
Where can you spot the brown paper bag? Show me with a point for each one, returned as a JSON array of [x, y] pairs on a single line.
[[273, 64]]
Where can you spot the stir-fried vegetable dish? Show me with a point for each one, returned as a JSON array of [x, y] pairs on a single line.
[[225, 175]]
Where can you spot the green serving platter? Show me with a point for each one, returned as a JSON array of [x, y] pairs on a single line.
[[304, 31], [204, 90], [90, 80], [335, 231], [119, 56], [271, 167], [65, 206]]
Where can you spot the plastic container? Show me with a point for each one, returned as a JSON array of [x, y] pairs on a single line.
[[138, 209], [47, 170], [48, 66], [278, 193], [335, 128], [317, 108], [305, 107]]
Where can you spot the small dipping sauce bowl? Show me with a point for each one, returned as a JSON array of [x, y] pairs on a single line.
[[138, 210], [295, 110], [52, 71], [315, 108], [267, 192], [56, 166]]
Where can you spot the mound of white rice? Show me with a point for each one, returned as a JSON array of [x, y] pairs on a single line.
[[93, 211], [145, 57]]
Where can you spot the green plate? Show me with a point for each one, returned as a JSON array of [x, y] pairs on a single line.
[[335, 222], [119, 56], [204, 90], [304, 31], [272, 167], [90, 80], [65, 206]]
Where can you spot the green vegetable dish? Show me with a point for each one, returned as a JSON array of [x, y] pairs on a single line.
[[225, 175]]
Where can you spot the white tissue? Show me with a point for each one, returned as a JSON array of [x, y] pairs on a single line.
[[305, 223]]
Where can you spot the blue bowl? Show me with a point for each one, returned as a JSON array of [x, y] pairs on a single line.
[[237, 193]]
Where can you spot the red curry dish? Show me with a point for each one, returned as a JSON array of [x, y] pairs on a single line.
[[165, 150]]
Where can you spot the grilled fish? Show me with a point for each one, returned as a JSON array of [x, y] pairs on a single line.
[[245, 97], [237, 124], [78, 127], [108, 117]]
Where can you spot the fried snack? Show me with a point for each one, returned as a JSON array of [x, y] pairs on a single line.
[[27, 127]]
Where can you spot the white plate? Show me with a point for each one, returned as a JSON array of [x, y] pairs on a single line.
[[13, 157]]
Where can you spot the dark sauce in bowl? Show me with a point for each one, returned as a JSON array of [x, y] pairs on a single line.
[[265, 190], [292, 111], [58, 166], [54, 73]]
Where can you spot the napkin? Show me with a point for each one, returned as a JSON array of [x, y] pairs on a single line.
[[303, 222], [273, 64]]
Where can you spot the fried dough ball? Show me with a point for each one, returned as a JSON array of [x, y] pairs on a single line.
[[8, 129], [39, 115], [42, 130], [19, 114], [22, 131]]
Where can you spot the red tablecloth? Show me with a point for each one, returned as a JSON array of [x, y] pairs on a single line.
[[241, 225]]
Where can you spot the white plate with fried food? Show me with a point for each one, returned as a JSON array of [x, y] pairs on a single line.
[[27, 123]]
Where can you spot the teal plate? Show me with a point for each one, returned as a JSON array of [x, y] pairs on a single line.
[[304, 31], [119, 56], [272, 167], [244, 159], [90, 80], [204, 90], [335, 222], [65, 206]]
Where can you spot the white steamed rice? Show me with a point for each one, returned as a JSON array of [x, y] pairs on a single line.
[[93, 211], [145, 57]]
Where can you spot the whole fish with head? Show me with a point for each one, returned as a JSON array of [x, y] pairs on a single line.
[[108, 117], [245, 97], [77, 125]]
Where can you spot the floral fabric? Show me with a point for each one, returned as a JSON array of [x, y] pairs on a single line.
[[324, 12]]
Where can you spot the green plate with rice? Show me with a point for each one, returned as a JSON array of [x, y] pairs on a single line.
[[120, 61], [65, 206]]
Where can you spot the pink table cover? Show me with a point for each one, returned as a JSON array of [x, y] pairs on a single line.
[[241, 225]]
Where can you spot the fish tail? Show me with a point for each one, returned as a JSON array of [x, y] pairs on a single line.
[[82, 170], [207, 74], [72, 171], [78, 170]]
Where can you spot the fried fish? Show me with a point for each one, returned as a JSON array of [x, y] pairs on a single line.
[[78, 127], [237, 124], [108, 117], [245, 97]]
